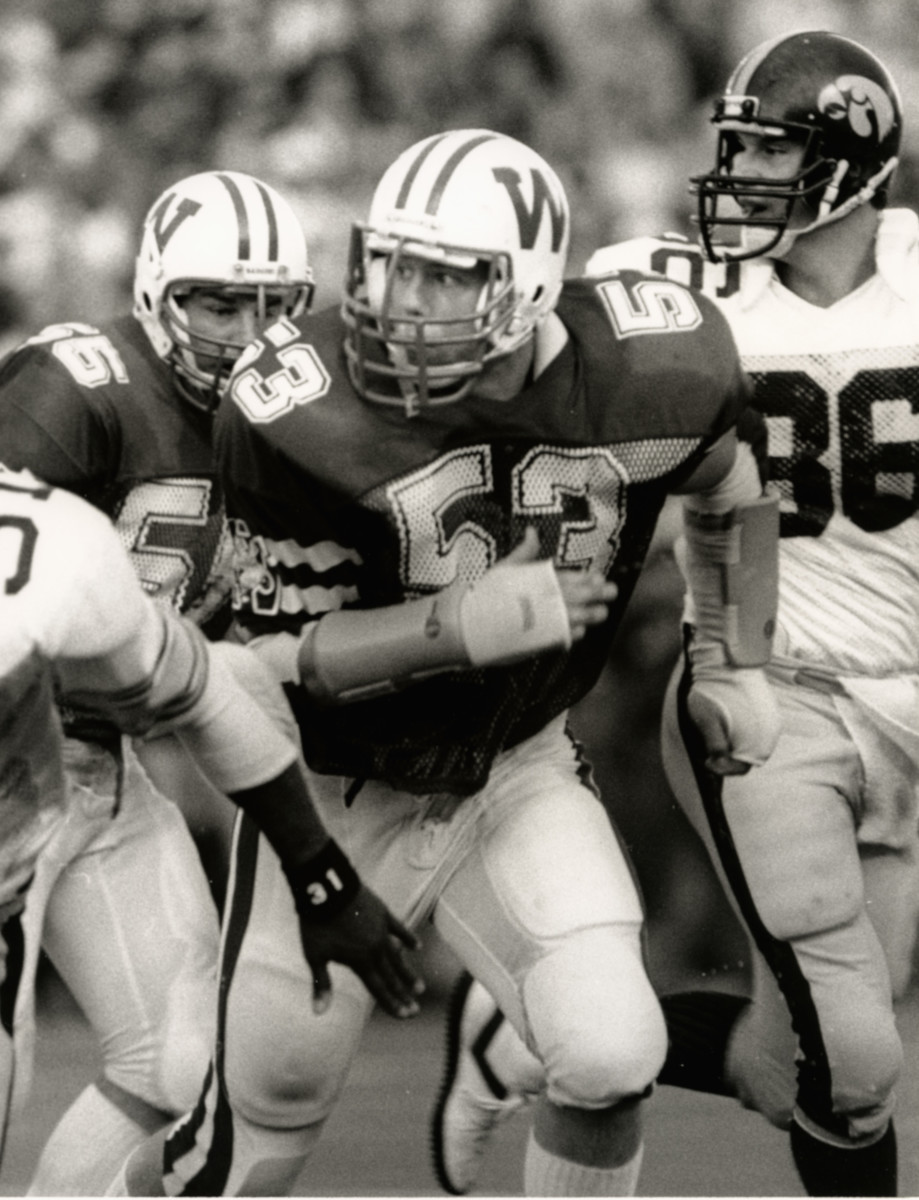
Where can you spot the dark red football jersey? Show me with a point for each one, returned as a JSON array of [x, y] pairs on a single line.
[[94, 410], [341, 502]]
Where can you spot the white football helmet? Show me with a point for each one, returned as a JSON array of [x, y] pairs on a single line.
[[218, 229], [465, 198]]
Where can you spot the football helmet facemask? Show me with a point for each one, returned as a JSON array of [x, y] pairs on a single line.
[[217, 230], [468, 199], [820, 89]]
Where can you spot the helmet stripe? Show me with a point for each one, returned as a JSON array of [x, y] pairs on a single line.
[[449, 167], [272, 222], [242, 217], [415, 168], [740, 79]]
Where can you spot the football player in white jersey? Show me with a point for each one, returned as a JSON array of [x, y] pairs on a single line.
[[121, 413], [817, 848], [76, 628]]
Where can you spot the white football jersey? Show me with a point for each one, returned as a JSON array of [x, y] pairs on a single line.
[[67, 595], [839, 388]]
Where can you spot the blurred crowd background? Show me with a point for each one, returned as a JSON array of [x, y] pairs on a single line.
[[104, 103]]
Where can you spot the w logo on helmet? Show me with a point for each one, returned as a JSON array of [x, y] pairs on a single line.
[[530, 219], [862, 103], [162, 233]]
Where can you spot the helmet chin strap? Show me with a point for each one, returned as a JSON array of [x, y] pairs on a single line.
[[826, 214]]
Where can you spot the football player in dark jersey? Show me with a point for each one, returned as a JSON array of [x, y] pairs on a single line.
[[442, 494], [819, 281], [122, 415]]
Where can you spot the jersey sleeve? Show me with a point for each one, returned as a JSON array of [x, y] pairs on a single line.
[[47, 422], [636, 254], [290, 564], [116, 653], [85, 599]]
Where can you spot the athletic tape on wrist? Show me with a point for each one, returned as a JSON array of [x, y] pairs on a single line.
[[732, 567], [324, 885], [514, 611]]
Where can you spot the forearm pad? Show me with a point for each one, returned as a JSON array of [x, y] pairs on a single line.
[[732, 566], [515, 611]]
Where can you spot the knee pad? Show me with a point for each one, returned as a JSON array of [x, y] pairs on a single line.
[[866, 1054], [283, 1065], [594, 1019], [861, 1045]]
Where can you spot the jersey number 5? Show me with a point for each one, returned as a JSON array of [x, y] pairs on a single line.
[[649, 306]]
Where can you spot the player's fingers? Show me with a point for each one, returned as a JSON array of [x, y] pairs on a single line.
[[393, 997], [579, 587], [721, 763], [398, 930], [527, 549], [322, 987], [401, 971], [581, 616]]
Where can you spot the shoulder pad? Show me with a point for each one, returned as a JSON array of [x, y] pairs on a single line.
[[672, 255], [636, 254]]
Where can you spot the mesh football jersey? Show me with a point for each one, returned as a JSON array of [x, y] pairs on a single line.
[[93, 410], [339, 502], [839, 389]]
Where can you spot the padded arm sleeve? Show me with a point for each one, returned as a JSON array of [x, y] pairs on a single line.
[[730, 558], [192, 692], [732, 572], [235, 741], [515, 611]]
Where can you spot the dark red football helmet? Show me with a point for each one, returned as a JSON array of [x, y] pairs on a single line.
[[834, 96]]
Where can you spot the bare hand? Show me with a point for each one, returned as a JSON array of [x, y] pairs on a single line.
[[367, 938], [587, 594]]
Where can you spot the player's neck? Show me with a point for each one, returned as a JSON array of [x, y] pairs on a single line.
[[506, 377], [831, 262]]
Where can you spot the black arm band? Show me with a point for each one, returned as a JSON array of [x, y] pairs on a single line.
[[324, 885]]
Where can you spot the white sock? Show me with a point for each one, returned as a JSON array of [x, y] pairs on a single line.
[[90, 1143], [547, 1175]]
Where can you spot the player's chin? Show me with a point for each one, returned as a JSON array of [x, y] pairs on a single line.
[[442, 357]]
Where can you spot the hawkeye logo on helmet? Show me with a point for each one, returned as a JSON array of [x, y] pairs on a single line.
[[163, 233], [530, 219], [862, 103]]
